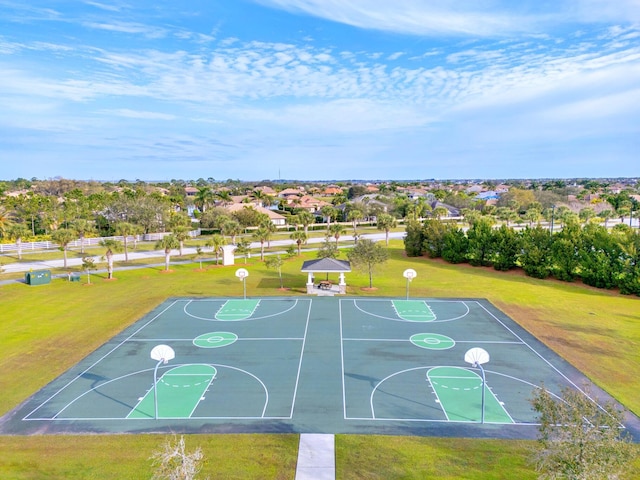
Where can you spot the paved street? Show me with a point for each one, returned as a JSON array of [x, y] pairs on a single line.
[[157, 256]]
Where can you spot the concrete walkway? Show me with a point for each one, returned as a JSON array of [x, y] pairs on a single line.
[[316, 457]]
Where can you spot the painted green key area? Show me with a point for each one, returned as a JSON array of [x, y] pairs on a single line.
[[361, 365]]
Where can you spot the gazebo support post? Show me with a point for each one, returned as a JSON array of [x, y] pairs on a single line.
[[310, 282]]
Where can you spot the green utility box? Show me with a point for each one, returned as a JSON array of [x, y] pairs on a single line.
[[38, 277]]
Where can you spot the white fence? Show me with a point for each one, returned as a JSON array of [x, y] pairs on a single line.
[[87, 242]]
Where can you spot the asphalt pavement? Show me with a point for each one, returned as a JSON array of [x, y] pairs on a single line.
[[154, 255]]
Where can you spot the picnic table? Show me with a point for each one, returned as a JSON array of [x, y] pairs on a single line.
[[324, 285]]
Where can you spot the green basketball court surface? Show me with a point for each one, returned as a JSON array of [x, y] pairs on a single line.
[[307, 365]]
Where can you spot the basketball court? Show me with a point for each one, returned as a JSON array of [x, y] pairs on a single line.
[[307, 365]]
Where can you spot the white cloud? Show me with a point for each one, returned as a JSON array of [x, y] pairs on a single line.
[[129, 27], [128, 113], [463, 17]]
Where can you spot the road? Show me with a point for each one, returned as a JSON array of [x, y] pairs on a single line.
[[154, 255]]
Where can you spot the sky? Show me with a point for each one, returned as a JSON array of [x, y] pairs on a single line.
[[319, 89]]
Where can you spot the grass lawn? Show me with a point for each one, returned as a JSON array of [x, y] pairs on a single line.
[[47, 329]]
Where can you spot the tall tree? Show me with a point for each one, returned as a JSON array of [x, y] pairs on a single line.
[[17, 232], [386, 222], [535, 254], [328, 249], [455, 248], [354, 217], [167, 243], [565, 251], [329, 212], [204, 198], [433, 233], [112, 246], [507, 245], [181, 232], [63, 237], [231, 228], [126, 229], [336, 230], [305, 218], [244, 248], [413, 239], [601, 260], [216, 242], [276, 263], [481, 238], [88, 264], [298, 237], [262, 235], [82, 228], [367, 255], [580, 439]]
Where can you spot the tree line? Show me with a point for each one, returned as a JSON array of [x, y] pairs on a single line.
[[600, 257]]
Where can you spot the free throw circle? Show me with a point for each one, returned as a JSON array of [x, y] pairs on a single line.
[[215, 340], [432, 341]]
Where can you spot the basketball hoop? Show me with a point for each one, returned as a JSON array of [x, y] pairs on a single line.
[[477, 357], [242, 274], [409, 274], [161, 354]]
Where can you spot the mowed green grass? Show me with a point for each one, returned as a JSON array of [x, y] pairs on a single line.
[[47, 329]]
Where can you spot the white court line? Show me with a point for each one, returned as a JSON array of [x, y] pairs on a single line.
[[304, 342], [366, 312], [264, 387], [541, 356], [344, 390], [250, 318], [99, 360]]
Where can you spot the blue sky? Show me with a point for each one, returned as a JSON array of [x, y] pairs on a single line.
[[319, 89]]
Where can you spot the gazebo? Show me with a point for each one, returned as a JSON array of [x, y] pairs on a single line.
[[326, 265]]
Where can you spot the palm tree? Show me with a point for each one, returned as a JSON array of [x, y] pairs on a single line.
[[181, 233], [298, 237], [244, 248], [606, 215], [386, 222], [262, 235], [17, 232], [111, 246], [329, 212], [82, 227], [336, 230], [88, 264], [204, 198], [225, 196], [216, 242], [231, 228], [354, 216], [126, 229], [440, 212], [63, 237], [167, 243], [270, 226], [305, 218], [5, 220]]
